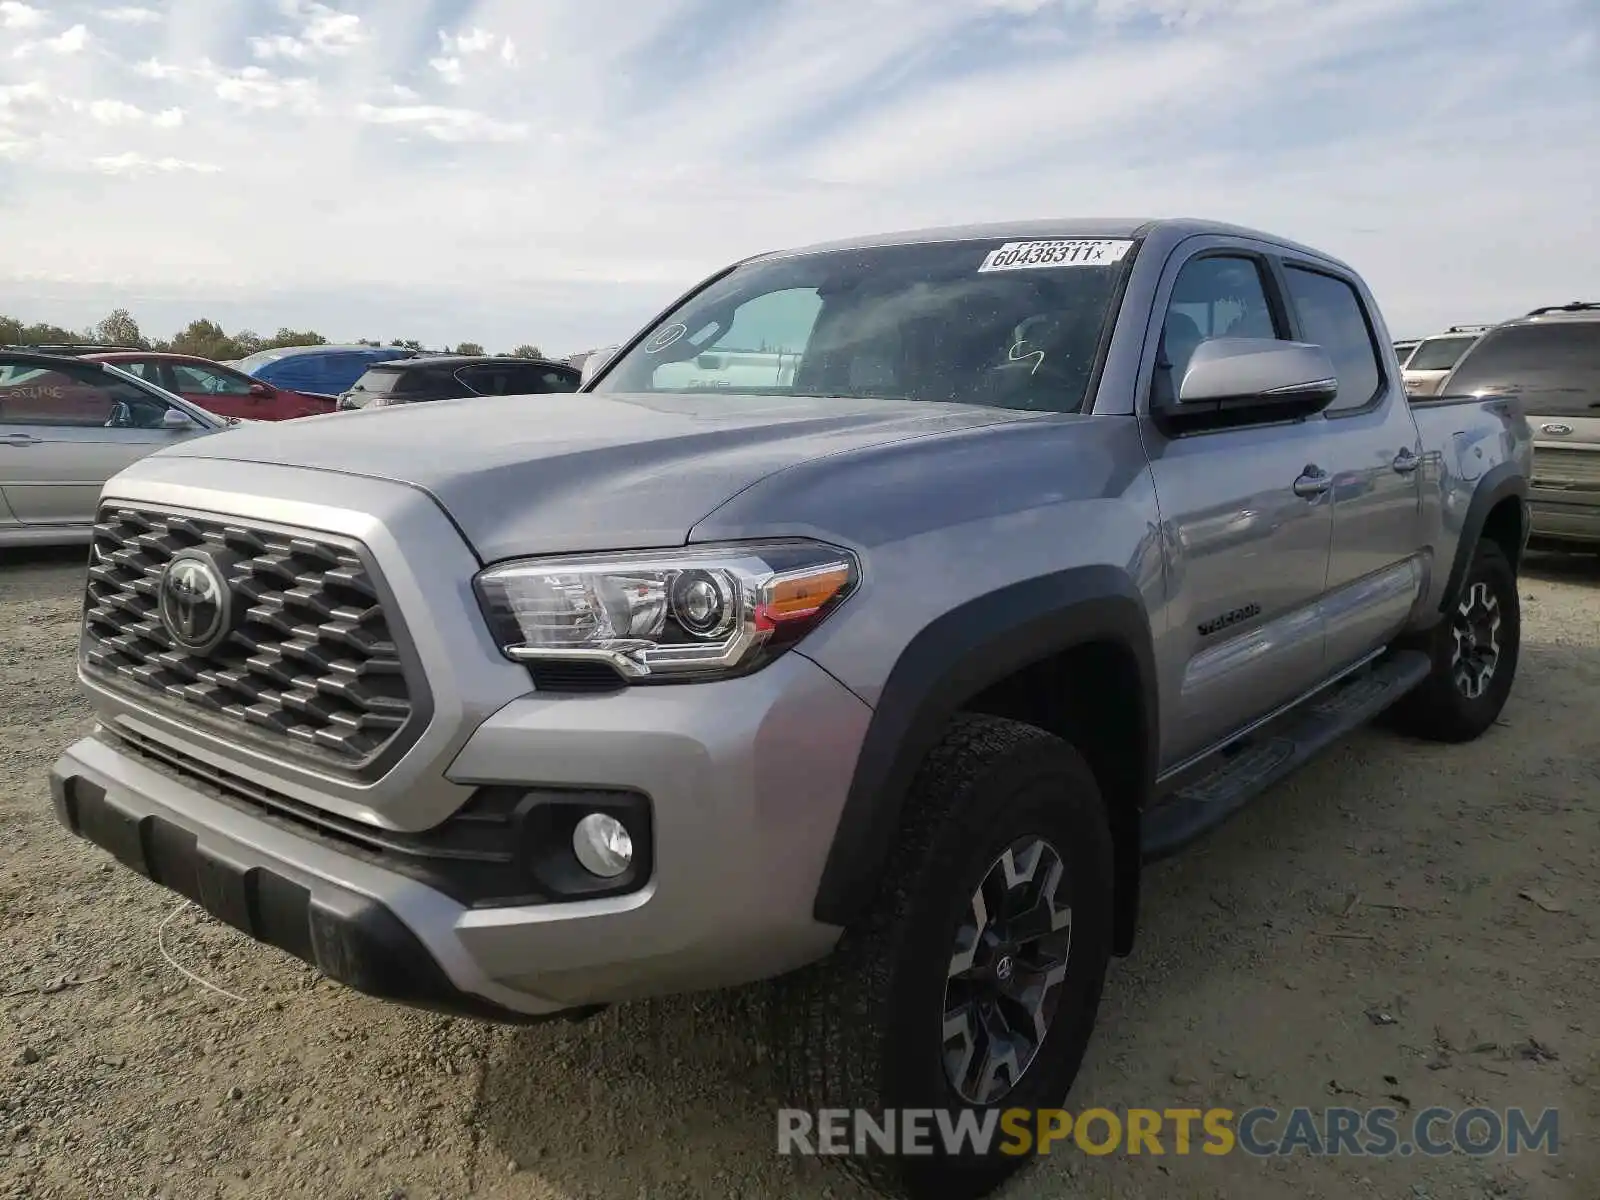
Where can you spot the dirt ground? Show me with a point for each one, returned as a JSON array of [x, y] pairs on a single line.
[[1390, 878]]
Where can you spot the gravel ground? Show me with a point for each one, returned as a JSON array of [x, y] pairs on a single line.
[[1449, 892]]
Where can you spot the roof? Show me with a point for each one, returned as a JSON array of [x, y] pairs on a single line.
[[38, 358], [452, 361], [68, 349], [115, 356], [1577, 310], [1072, 227], [332, 348]]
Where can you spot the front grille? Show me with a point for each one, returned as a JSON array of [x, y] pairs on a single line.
[[312, 667], [1563, 467]]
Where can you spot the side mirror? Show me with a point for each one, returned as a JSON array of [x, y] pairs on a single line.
[[1235, 380], [260, 391], [176, 419], [595, 361]]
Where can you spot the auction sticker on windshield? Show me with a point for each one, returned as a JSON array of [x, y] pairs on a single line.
[[1022, 256]]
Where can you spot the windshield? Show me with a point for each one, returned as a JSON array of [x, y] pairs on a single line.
[[1438, 354], [1554, 367], [1003, 324]]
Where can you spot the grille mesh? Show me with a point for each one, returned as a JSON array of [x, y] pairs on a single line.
[[1566, 466], [311, 666]]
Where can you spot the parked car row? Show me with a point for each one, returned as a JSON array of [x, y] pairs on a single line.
[[1550, 360], [1430, 359]]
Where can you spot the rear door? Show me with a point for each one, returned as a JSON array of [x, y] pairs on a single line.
[[1375, 567], [66, 429]]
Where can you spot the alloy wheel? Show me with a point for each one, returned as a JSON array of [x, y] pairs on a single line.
[[1004, 981], [1476, 629]]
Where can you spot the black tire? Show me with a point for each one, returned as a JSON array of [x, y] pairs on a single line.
[[865, 1028], [1446, 707]]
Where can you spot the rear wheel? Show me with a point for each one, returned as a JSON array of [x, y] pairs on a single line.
[[1474, 651], [974, 982]]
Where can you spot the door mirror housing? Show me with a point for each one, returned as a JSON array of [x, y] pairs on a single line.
[[260, 391], [1235, 381], [593, 364], [176, 420]]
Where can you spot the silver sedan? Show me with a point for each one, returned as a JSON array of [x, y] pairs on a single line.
[[66, 426]]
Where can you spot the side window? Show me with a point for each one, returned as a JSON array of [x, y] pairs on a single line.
[[144, 370], [484, 380], [212, 383], [1215, 296], [533, 380], [74, 396], [1332, 316], [760, 344]]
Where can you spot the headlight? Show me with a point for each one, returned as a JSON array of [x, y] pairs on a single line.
[[658, 616]]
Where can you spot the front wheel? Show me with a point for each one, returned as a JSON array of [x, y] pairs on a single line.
[[972, 986], [1474, 650]]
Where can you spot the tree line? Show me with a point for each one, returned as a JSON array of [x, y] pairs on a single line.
[[203, 338]]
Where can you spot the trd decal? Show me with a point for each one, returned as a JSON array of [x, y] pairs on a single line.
[[1231, 617]]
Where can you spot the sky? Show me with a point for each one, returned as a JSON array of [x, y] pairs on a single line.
[[557, 171]]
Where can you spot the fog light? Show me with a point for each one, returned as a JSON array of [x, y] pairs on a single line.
[[602, 845]]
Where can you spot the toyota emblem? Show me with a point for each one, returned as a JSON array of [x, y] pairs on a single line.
[[195, 603], [1556, 429]]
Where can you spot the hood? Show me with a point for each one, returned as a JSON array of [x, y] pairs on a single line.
[[578, 471]]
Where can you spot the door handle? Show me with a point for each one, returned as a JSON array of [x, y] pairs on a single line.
[[20, 439], [1313, 482], [1406, 461]]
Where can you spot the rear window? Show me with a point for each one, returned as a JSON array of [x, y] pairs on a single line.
[[253, 362], [1438, 354], [1555, 368], [379, 380]]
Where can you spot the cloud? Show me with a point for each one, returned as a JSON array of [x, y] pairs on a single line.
[[17, 96], [443, 123], [69, 41], [321, 32], [249, 87], [19, 16], [120, 112], [132, 163], [474, 43], [649, 141], [129, 15]]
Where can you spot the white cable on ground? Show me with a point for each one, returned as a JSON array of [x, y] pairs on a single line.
[[161, 943]]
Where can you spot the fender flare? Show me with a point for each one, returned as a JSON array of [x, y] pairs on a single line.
[[944, 666], [1501, 482]]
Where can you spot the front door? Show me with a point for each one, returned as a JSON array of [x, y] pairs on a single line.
[[64, 430], [1246, 517]]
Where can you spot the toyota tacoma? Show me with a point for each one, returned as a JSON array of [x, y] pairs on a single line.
[[1043, 549]]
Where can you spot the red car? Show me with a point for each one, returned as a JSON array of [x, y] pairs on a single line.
[[217, 388]]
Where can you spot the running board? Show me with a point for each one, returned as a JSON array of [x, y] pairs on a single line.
[[1218, 786]]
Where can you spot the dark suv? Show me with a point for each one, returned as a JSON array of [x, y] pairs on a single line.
[[1550, 360], [455, 376]]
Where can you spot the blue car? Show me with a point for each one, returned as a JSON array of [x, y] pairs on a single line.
[[323, 370]]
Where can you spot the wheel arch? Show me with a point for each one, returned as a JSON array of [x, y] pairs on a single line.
[[1497, 511], [1022, 651]]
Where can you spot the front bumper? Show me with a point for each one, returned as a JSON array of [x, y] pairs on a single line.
[[746, 780], [1557, 516]]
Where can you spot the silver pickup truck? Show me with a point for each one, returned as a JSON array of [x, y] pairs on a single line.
[[1051, 546]]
